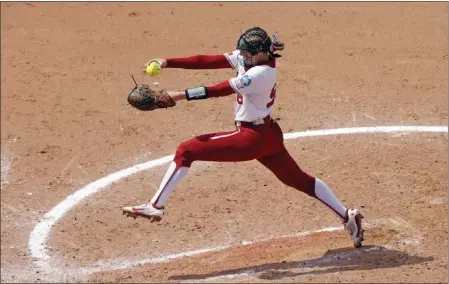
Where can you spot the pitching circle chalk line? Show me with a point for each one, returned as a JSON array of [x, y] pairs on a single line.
[[39, 235]]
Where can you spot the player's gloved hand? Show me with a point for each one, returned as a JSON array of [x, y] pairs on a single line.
[[162, 63], [144, 98]]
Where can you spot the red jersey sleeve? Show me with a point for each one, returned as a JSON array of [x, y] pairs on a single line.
[[222, 89], [200, 62]]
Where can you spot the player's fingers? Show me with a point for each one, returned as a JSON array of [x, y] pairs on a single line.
[[149, 62]]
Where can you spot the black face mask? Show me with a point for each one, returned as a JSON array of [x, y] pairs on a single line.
[[243, 44]]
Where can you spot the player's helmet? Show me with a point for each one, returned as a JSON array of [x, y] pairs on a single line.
[[256, 40]]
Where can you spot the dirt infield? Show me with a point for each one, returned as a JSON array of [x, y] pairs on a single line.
[[65, 125]]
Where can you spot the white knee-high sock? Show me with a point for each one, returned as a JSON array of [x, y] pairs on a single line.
[[172, 177], [325, 195]]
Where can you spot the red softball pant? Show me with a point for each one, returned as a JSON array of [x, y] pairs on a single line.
[[262, 142]]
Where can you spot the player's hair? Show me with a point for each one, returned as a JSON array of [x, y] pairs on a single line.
[[256, 40]]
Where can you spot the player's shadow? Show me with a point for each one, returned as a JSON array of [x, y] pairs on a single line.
[[338, 260]]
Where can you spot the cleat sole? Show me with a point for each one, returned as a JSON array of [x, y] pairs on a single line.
[[136, 214]]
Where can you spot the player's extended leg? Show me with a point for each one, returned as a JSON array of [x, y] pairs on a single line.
[[234, 146], [287, 170]]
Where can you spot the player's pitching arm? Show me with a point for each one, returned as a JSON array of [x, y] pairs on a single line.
[[194, 62]]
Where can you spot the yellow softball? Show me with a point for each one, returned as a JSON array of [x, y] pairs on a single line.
[[153, 69]]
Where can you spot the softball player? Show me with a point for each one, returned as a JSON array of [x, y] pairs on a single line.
[[256, 136]]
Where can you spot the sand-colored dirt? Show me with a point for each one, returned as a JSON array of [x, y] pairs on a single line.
[[65, 122]]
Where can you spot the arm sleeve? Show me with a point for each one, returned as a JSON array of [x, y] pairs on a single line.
[[200, 62], [220, 90]]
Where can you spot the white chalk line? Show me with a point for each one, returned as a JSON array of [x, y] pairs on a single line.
[[366, 130], [40, 233]]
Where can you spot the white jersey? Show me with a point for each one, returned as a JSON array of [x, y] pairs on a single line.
[[255, 89]]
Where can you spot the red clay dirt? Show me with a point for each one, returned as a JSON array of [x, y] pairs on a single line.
[[65, 123]]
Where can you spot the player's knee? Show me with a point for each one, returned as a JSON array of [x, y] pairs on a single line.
[[184, 156], [300, 181]]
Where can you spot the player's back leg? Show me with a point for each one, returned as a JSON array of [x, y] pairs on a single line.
[[287, 171]]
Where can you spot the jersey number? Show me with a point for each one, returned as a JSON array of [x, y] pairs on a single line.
[[272, 96]]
